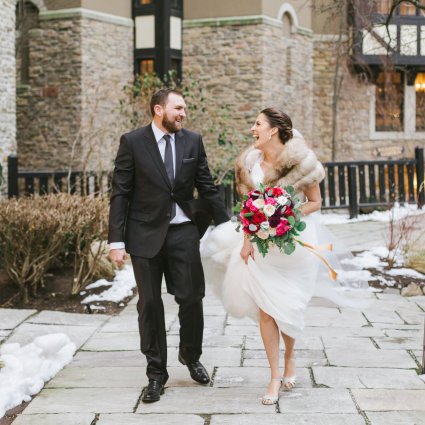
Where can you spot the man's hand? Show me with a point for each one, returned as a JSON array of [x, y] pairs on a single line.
[[117, 256], [247, 251]]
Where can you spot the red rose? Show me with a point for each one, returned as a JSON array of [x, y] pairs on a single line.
[[258, 217], [277, 191]]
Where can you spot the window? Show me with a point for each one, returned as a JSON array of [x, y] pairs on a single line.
[[26, 20], [420, 101], [389, 101], [146, 66]]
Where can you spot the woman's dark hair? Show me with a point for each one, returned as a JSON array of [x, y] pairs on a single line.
[[160, 98], [281, 121]]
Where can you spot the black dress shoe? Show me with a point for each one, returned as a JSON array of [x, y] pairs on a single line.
[[152, 392], [197, 371]]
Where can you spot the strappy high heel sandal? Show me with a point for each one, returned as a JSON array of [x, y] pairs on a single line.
[[289, 382], [268, 399]]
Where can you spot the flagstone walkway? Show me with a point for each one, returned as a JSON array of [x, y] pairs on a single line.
[[354, 367]]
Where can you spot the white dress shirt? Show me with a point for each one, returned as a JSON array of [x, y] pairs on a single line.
[[180, 216]]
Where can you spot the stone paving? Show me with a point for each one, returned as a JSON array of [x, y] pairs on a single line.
[[354, 367]]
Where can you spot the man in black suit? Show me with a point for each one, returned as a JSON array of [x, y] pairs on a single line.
[[152, 217]]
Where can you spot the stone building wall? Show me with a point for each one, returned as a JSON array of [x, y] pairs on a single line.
[[7, 85], [49, 107], [228, 60], [75, 62], [353, 128], [287, 77], [250, 65], [107, 65]]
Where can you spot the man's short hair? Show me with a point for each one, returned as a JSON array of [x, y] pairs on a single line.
[[160, 98]]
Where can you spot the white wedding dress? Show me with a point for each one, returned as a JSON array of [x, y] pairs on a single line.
[[279, 284]]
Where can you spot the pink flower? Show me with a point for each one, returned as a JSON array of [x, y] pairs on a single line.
[[282, 228], [270, 201], [250, 204]]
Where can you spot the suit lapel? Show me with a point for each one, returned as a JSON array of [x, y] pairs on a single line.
[[180, 144], [152, 147]]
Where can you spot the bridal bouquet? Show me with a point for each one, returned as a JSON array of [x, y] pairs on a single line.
[[271, 215]]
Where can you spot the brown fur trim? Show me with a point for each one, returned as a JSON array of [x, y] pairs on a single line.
[[297, 166]]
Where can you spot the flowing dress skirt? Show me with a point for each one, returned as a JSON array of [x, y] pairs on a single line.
[[281, 285]]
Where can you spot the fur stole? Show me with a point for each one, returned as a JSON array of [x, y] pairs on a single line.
[[297, 166]]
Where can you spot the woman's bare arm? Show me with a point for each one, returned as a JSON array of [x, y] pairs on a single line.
[[314, 199]]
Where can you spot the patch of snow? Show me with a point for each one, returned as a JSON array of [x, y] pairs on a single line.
[[120, 288], [398, 212], [385, 281], [365, 260], [353, 278], [406, 273], [99, 283], [97, 307], [27, 368]]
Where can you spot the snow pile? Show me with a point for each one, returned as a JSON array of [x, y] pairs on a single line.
[[406, 273], [397, 212], [372, 259], [27, 368], [120, 288]]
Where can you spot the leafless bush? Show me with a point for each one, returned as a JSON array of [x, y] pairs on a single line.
[[88, 219], [33, 232], [36, 232]]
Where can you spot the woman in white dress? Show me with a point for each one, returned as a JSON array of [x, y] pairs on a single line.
[[276, 289]]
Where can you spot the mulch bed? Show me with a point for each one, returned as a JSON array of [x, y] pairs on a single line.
[[56, 295]]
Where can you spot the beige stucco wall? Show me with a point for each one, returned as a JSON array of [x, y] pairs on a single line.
[[326, 16], [201, 9], [62, 4], [112, 7], [198, 9]]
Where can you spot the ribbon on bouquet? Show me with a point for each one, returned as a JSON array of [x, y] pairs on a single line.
[[313, 249]]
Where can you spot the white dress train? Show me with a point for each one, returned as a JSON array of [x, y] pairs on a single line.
[[281, 285]]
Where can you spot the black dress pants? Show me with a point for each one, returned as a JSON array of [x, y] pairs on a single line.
[[179, 260]]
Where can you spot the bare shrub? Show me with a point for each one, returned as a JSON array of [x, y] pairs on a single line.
[[33, 233], [37, 232], [88, 218]]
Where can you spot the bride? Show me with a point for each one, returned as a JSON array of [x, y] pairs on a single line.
[[274, 290]]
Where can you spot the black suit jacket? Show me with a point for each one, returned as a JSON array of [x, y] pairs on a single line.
[[142, 194]]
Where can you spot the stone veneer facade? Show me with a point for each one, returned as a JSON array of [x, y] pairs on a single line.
[[7, 85], [249, 64], [245, 62], [77, 62], [354, 136]]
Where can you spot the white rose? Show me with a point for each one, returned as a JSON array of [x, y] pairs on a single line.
[[269, 210], [252, 227], [258, 203], [262, 234], [265, 225], [282, 200], [272, 231]]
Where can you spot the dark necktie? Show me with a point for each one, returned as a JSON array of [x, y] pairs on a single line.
[[169, 167]]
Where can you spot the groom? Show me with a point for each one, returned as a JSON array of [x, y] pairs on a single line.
[[152, 217]]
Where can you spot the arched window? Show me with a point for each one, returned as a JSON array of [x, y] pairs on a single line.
[[26, 20], [287, 25]]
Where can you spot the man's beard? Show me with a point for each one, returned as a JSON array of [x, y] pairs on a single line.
[[169, 125]]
